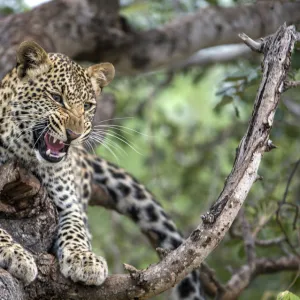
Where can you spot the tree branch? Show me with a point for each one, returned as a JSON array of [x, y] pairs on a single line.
[[246, 274], [214, 55], [93, 31], [249, 241]]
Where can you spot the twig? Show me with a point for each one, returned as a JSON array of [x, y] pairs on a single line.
[[270, 242], [284, 202], [290, 180], [290, 84], [253, 45], [298, 271], [249, 241], [245, 275], [258, 242], [263, 221], [214, 55], [212, 277]]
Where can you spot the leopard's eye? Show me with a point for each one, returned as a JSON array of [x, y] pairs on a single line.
[[87, 106], [57, 98]]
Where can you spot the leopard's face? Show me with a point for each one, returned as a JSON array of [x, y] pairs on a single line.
[[60, 104], [55, 103]]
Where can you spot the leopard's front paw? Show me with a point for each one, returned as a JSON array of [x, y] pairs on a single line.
[[18, 262], [83, 266]]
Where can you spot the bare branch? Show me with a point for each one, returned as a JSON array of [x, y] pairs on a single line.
[[270, 146], [283, 203], [290, 84], [249, 241], [212, 280], [258, 242], [253, 45], [269, 265], [258, 133], [291, 176], [214, 55], [270, 242], [245, 275]]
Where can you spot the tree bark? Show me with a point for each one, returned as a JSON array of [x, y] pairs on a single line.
[[214, 55], [92, 30], [33, 206]]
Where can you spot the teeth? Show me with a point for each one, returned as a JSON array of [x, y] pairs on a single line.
[[56, 155], [54, 140], [61, 142]]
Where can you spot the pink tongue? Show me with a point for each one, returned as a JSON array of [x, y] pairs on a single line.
[[57, 146]]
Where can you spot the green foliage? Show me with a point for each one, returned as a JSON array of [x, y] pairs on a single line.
[[8, 7], [137, 11], [287, 296]]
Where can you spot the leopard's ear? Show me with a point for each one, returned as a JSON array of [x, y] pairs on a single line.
[[101, 75], [32, 60]]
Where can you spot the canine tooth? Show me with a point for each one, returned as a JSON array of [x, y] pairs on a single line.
[[48, 152], [54, 140], [61, 142], [61, 154]]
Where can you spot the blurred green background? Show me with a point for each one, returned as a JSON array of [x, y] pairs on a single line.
[[181, 130]]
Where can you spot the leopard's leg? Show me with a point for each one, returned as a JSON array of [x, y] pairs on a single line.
[[72, 246], [14, 258], [133, 200]]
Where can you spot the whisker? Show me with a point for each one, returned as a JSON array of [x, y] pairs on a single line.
[[108, 148], [124, 141], [106, 132], [40, 136], [89, 144], [123, 128], [109, 142], [39, 126], [116, 119]]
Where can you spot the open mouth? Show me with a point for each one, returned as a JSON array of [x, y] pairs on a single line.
[[50, 148]]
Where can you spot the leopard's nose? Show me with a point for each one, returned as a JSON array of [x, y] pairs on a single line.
[[71, 135]]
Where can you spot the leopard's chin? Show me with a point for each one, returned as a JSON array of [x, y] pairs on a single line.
[[47, 147]]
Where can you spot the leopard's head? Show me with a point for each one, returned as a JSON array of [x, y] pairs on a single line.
[[55, 100]]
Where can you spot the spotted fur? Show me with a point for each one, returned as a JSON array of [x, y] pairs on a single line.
[[46, 111]]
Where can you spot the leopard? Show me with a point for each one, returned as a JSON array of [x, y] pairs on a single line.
[[47, 106]]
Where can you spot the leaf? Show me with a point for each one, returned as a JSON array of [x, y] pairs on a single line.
[[225, 100], [136, 7], [235, 78], [237, 111], [286, 295]]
